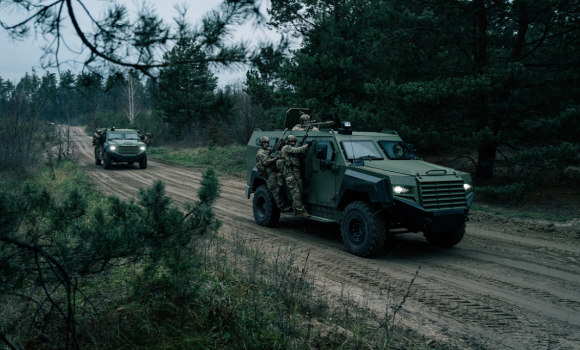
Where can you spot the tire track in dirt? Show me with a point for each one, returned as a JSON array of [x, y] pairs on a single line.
[[494, 288]]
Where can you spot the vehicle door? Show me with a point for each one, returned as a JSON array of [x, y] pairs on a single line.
[[321, 174]]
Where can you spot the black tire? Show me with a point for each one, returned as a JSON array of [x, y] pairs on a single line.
[[143, 162], [363, 229], [266, 212], [107, 161], [446, 239], [97, 160]]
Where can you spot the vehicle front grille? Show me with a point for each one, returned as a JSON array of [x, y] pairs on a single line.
[[128, 149], [443, 195]]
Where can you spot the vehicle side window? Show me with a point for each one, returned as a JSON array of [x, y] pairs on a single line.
[[329, 149]]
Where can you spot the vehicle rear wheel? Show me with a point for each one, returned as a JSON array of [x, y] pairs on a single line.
[[107, 161], [446, 239], [143, 162], [266, 212], [97, 160], [362, 229]]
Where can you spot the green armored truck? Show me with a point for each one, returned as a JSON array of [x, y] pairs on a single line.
[[120, 146], [372, 184]]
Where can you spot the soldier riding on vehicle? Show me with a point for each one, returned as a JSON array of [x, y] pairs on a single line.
[[267, 167], [292, 173], [304, 124]]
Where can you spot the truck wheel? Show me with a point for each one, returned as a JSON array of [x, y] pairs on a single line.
[[266, 212], [97, 160], [363, 231], [446, 239], [107, 161], [143, 162]]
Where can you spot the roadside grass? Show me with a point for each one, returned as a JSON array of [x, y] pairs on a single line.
[[229, 160], [238, 297]]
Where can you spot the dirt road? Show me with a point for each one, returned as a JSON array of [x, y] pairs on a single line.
[[499, 287]]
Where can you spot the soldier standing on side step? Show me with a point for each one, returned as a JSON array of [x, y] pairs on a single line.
[[292, 174], [267, 167]]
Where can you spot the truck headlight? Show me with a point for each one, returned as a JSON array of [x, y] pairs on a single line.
[[142, 148], [467, 187], [112, 148], [400, 189]]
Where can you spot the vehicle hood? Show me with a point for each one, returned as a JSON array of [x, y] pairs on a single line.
[[125, 142], [409, 167]]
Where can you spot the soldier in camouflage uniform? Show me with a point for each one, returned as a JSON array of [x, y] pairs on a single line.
[[97, 143], [292, 173], [148, 139], [303, 126], [96, 136], [267, 167]]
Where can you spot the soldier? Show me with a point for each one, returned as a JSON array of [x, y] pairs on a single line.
[[303, 126], [96, 136], [267, 165], [148, 139], [292, 174]]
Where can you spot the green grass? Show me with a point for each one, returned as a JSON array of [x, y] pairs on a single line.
[[229, 160]]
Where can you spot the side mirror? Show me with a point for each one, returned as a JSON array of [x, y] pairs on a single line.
[[321, 151]]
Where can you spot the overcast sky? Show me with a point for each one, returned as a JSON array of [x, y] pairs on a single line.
[[17, 58]]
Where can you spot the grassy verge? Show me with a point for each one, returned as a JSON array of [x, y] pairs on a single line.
[[227, 160]]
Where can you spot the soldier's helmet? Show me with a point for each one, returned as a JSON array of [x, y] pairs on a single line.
[[98, 131], [264, 139], [305, 118], [291, 138], [148, 134]]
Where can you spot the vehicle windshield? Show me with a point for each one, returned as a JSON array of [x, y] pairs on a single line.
[[361, 149], [115, 136], [397, 150], [131, 136]]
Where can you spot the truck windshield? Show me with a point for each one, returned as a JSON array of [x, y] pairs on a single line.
[[131, 137], [115, 136], [361, 149], [397, 150]]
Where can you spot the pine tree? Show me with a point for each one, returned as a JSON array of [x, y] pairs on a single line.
[[187, 89]]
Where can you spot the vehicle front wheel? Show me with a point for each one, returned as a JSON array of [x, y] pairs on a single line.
[[143, 162], [97, 160], [446, 239], [107, 161], [266, 212], [362, 229]]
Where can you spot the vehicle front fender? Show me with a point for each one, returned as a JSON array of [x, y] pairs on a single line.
[[376, 188]]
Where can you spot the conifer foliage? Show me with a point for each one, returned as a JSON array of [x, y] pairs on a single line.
[[495, 81], [50, 248]]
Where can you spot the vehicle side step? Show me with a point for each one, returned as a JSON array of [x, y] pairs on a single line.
[[321, 219]]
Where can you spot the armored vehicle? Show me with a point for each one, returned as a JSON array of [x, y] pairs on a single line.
[[121, 146], [372, 184]]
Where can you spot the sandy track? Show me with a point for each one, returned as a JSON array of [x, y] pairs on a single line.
[[502, 289]]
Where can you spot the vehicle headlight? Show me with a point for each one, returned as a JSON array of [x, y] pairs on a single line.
[[467, 187], [112, 148], [400, 189], [142, 148]]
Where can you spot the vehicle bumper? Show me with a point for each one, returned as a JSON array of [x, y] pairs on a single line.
[[248, 191], [418, 219], [122, 158]]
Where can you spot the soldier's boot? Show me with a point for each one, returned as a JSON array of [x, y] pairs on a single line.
[[303, 214]]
